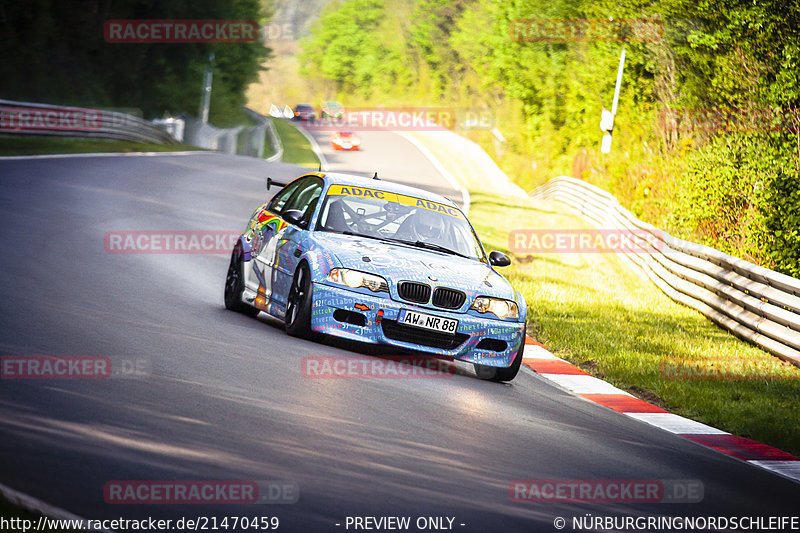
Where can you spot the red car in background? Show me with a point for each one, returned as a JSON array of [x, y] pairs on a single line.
[[345, 140]]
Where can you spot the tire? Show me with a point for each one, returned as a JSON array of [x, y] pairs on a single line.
[[298, 304], [234, 284], [503, 374]]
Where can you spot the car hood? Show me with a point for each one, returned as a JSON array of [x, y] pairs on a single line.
[[398, 262]]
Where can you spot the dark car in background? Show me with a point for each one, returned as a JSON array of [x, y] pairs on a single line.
[[305, 112]]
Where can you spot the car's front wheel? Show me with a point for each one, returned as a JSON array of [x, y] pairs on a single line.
[[503, 374], [234, 284], [298, 304]]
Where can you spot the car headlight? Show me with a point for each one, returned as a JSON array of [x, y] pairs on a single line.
[[500, 308], [356, 279]]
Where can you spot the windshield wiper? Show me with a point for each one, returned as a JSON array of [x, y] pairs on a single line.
[[430, 246], [353, 234], [422, 244], [418, 244]]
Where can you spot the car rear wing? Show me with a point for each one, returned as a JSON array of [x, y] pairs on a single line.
[[271, 182]]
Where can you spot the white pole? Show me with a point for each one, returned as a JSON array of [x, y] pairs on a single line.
[[207, 90], [619, 82], [605, 145]]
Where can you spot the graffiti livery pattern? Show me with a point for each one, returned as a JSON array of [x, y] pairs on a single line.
[[376, 312]]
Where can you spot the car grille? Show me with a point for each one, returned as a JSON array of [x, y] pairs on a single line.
[[414, 292], [433, 339], [448, 298]]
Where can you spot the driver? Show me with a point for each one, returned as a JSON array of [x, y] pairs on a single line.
[[427, 226]]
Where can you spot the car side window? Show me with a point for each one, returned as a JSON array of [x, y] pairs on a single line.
[[278, 203], [305, 197]]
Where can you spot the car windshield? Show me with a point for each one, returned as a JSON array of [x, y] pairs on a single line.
[[398, 218]]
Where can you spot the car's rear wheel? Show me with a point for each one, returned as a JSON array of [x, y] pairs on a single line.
[[234, 284], [503, 374], [298, 304]]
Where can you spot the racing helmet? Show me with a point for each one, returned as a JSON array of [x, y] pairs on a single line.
[[427, 225]]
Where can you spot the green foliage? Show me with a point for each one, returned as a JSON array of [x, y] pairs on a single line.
[[346, 46], [779, 237], [733, 186], [429, 40], [54, 51]]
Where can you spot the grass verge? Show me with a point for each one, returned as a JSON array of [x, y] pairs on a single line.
[[296, 149], [595, 311], [33, 145]]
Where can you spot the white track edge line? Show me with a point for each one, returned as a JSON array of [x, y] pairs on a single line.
[[777, 467], [454, 183], [323, 161], [773, 466]]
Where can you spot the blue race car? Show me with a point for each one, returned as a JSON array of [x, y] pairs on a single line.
[[382, 263]]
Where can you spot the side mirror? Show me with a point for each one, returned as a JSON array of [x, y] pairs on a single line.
[[499, 259], [295, 218]]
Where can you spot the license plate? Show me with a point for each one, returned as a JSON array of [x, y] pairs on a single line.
[[426, 321]]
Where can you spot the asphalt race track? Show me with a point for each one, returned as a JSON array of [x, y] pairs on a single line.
[[385, 152], [219, 396]]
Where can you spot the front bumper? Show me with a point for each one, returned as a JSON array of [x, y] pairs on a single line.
[[353, 315]]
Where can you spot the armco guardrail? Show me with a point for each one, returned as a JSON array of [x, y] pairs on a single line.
[[757, 304], [275, 139], [44, 119], [252, 139], [242, 140], [209, 137]]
